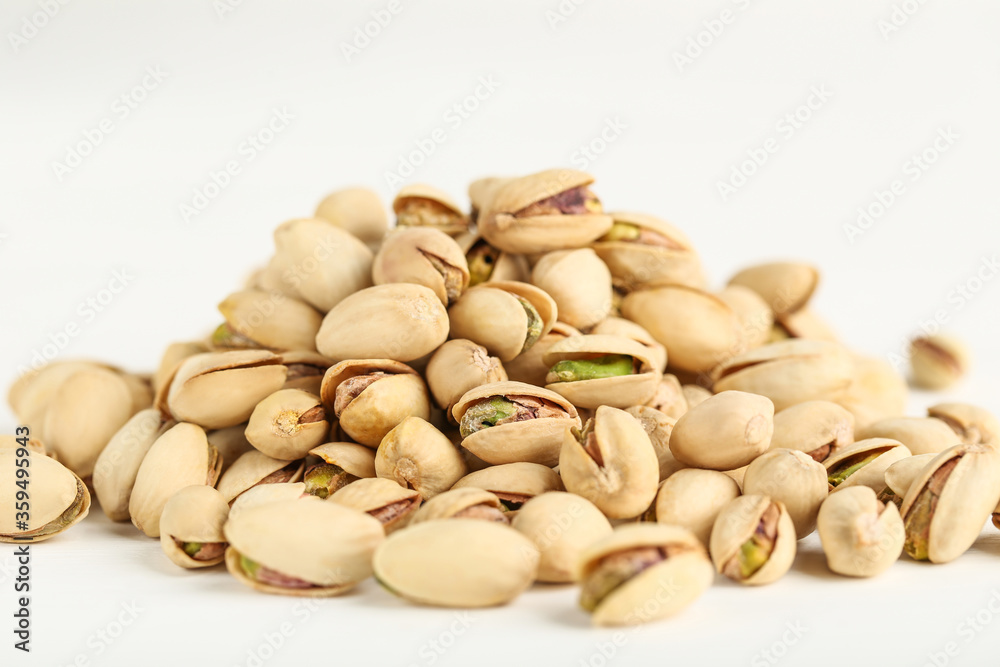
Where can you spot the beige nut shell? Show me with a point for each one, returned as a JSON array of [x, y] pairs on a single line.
[[446, 505], [692, 498], [725, 432], [248, 470], [793, 478], [53, 489], [860, 536], [872, 474], [352, 458], [637, 265], [416, 455], [619, 392], [118, 464], [921, 435], [737, 523], [193, 514], [490, 315]]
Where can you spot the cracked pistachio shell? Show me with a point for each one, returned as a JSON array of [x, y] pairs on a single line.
[[399, 321], [818, 428], [513, 483], [256, 468], [325, 544], [695, 395], [287, 424], [354, 459], [423, 256], [358, 211], [795, 479], [619, 391], [532, 440], [617, 326], [785, 286], [492, 316], [465, 502], [789, 372], [416, 455], [756, 318], [488, 264], [901, 474], [737, 523], [528, 367], [459, 366], [380, 406], [259, 319], [698, 329], [921, 435], [172, 358], [883, 453], [231, 443], [193, 514], [861, 536], [972, 423], [876, 391], [305, 370], [727, 431], [317, 262], [375, 495], [180, 457], [457, 563], [619, 472], [658, 427], [669, 397], [658, 591], [803, 323], [118, 464], [59, 498], [561, 525], [420, 205], [482, 190], [938, 361], [960, 504], [221, 389], [267, 493], [507, 223], [692, 498], [579, 282], [662, 255]]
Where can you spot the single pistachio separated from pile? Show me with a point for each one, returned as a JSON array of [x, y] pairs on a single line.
[[938, 361], [861, 536], [191, 527], [59, 498], [340, 464], [753, 540]]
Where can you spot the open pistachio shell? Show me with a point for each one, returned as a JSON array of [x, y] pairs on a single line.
[[692, 498], [118, 464], [785, 286], [180, 457], [589, 387], [510, 422], [921, 435], [384, 499], [420, 205], [416, 455], [756, 318], [876, 391], [459, 366], [423, 256], [513, 483], [370, 397], [254, 468], [287, 424], [861, 536], [466, 502], [305, 370], [725, 432], [263, 494], [550, 210], [59, 498], [753, 540], [899, 476], [612, 464], [793, 478], [579, 282], [488, 264], [938, 360], [642, 573], [358, 211], [818, 428], [658, 427], [482, 190], [456, 563], [505, 317], [617, 326], [644, 250], [221, 389], [31, 394], [864, 463], [191, 527], [528, 366], [270, 320], [972, 423], [172, 358], [354, 459], [803, 323], [306, 547]]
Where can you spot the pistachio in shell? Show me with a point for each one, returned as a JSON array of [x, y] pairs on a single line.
[[594, 370], [58, 497], [643, 250], [358, 211], [528, 367], [692, 498], [861, 536], [900, 475], [255, 468], [876, 391], [579, 282], [753, 540], [756, 318], [462, 503], [257, 319], [617, 326], [420, 205], [795, 479], [423, 256], [118, 464], [818, 428], [305, 370], [921, 435], [513, 483], [489, 264], [938, 361], [972, 423], [505, 317], [231, 443], [864, 463], [341, 463], [658, 427], [725, 432], [417, 456], [171, 359], [384, 499], [785, 286], [457, 367], [191, 527], [263, 494], [287, 424]]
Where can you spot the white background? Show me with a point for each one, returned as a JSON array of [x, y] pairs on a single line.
[[556, 85]]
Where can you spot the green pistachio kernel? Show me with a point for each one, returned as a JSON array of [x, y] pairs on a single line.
[[622, 231], [534, 323], [485, 414], [849, 467], [610, 365]]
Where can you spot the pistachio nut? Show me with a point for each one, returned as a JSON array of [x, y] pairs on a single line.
[[140, 386], [58, 497], [795, 479], [753, 540], [946, 506], [727, 431], [658, 427], [370, 397], [803, 323], [643, 250], [421, 205], [399, 321], [818, 428], [287, 424], [231, 443], [256, 319], [417, 456], [506, 318], [305, 370], [550, 210], [341, 463], [877, 391], [864, 463], [617, 326], [669, 397], [481, 191], [899, 477], [358, 211], [255, 468], [180, 457], [489, 264], [611, 463], [118, 464], [456, 563], [528, 366], [695, 395], [191, 527], [785, 286], [32, 393], [972, 423], [623, 576], [938, 361], [921, 435], [423, 256], [221, 389], [513, 483], [601, 370], [457, 367], [306, 547], [789, 372], [462, 503], [263, 494], [384, 499], [861, 536], [698, 329], [172, 358], [508, 422], [756, 318], [579, 282], [692, 498]]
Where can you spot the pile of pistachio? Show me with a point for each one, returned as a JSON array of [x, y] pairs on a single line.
[[533, 391]]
